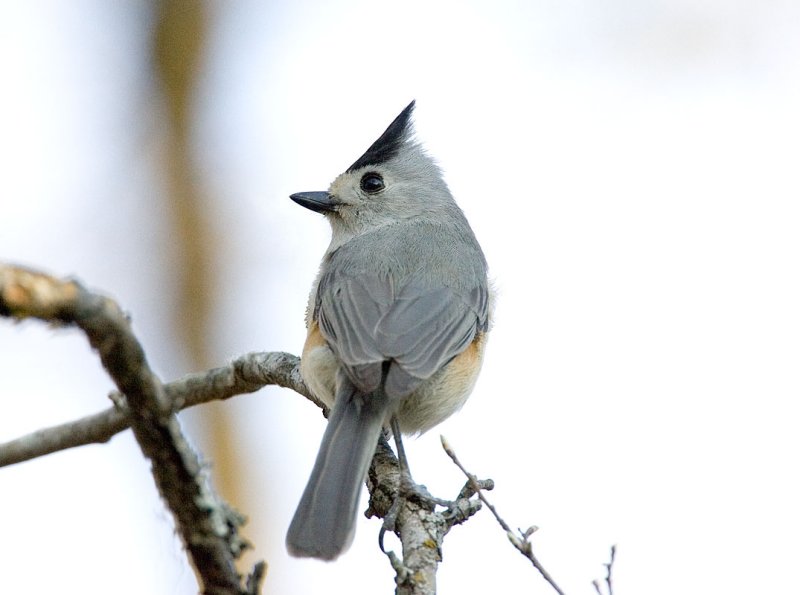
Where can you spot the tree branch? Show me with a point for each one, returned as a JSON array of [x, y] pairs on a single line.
[[420, 527], [520, 541], [208, 527], [245, 374], [609, 567]]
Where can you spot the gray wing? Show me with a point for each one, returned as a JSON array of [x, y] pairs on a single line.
[[368, 321]]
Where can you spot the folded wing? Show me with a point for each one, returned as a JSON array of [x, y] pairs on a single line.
[[416, 329]]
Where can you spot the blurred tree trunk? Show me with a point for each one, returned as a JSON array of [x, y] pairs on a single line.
[[179, 43]]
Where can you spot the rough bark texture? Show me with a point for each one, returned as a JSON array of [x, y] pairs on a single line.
[[208, 528]]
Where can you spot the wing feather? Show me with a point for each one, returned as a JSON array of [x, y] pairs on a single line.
[[367, 321]]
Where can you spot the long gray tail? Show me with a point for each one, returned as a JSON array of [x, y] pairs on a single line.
[[324, 522]]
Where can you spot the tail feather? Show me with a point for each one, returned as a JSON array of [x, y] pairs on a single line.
[[324, 523]]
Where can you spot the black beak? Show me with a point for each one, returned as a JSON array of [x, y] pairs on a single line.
[[321, 202]]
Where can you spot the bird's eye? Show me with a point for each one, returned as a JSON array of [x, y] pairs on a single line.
[[371, 183]]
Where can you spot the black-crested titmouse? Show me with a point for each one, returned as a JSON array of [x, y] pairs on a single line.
[[397, 322]]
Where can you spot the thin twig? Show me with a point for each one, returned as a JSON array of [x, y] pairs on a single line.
[[520, 541], [207, 526], [609, 566]]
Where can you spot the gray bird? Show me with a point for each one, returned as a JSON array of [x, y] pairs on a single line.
[[397, 322]]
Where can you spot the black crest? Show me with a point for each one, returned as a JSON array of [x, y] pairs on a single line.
[[389, 142]]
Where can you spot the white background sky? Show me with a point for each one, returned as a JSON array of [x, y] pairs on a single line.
[[631, 170]]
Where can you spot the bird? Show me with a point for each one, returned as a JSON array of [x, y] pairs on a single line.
[[397, 322]]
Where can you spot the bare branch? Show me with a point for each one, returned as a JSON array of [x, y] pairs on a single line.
[[245, 374], [95, 428], [419, 526], [609, 566], [208, 528], [520, 540]]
